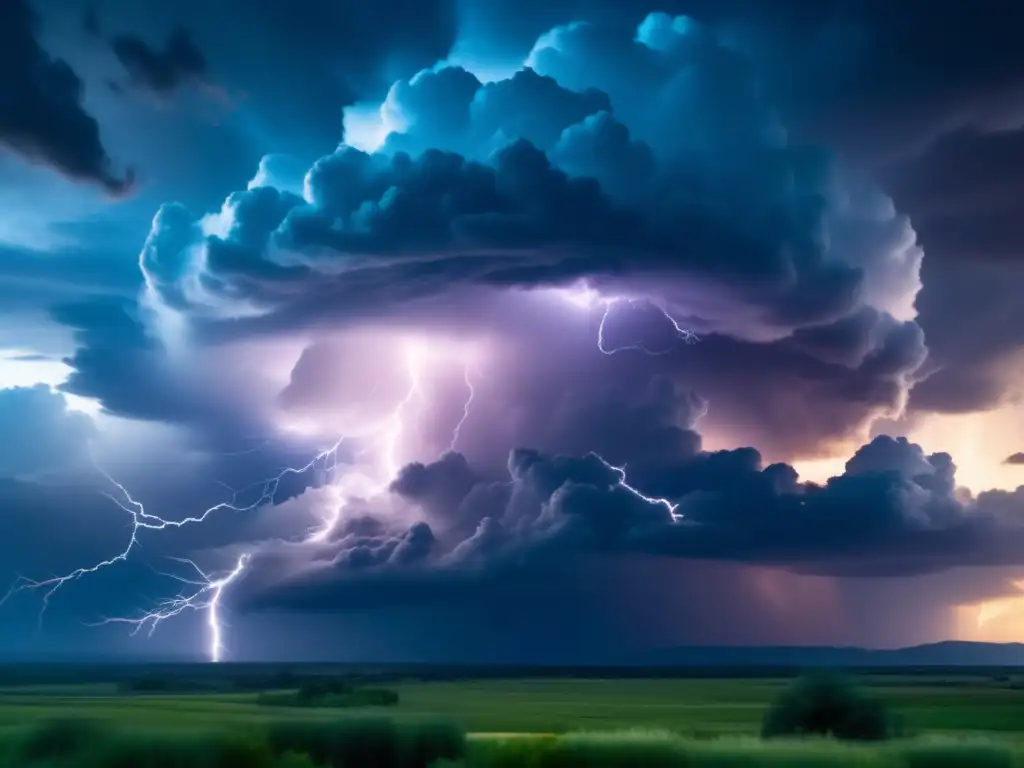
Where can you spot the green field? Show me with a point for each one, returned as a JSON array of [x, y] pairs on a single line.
[[693, 707]]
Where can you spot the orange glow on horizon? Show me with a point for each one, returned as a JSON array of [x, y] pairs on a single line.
[[1000, 620]]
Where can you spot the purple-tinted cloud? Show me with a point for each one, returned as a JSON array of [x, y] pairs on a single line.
[[895, 511]]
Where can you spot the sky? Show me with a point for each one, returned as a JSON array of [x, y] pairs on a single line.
[[508, 330]]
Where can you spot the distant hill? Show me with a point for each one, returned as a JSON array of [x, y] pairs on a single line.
[[946, 654]]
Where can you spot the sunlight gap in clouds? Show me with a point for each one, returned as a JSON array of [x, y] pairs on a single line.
[[21, 368]]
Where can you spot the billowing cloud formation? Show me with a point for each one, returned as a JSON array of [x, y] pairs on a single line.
[[577, 168], [895, 510], [774, 253], [643, 162], [41, 113]]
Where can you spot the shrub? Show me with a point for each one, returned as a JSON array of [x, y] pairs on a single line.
[[826, 705], [57, 739], [87, 743], [382, 743], [658, 749], [952, 755], [294, 760]]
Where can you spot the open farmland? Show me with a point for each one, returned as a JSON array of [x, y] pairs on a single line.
[[935, 702]]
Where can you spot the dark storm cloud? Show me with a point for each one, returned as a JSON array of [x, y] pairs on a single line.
[[289, 68], [774, 252], [50, 527], [117, 362], [122, 364], [549, 186], [32, 281], [42, 117], [964, 197], [161, 70], [880, 77], [1016, 458], [928, 94], [91, 22], [894, 511]]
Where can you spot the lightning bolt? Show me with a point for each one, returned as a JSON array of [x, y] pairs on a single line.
[[585, 297], [204, 592], [465, 408], [206, 597], [623, 482], [207, 591], [142, 520]]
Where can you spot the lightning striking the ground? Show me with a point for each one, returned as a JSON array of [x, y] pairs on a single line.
[[588, 298], [208, 591], [206, 597], [143, 520], [205, 593]]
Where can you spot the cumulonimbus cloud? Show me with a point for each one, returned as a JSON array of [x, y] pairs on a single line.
[[646, 163], [627, 158]]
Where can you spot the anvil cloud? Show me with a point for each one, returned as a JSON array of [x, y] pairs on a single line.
[[683, 178]]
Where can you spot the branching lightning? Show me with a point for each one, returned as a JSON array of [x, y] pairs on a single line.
[[207, 591], [206, 597], [623, 483], [586, 297], [204, 592], [142, 520]]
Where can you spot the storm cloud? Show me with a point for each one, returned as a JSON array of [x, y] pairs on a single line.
[[42, 117], [741, 228], [894, 511], [439, 371]]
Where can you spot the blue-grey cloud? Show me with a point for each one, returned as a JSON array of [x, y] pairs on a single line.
[[161, 70], [394, 225], [42, 117], [40, 434]]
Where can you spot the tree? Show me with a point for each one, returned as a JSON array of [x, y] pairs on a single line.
[[826, 705]]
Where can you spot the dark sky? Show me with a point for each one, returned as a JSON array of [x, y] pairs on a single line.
[[508, 329]]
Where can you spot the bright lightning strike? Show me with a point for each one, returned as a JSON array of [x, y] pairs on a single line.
[[586, 297], [142, 520], [396, 424], [465, 408], [207, 597], [206, 592], [623, 483]]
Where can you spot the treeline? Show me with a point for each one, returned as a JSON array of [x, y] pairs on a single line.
[[330, 696], [309, 685], [257, 677]]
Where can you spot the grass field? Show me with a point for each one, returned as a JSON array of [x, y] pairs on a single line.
[[692, 707]]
